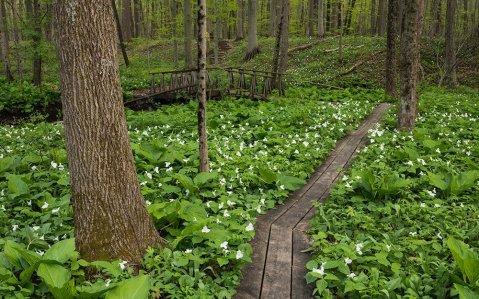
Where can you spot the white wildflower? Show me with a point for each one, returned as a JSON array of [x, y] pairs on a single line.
[[205, 229], [250, 227], [239, 255]]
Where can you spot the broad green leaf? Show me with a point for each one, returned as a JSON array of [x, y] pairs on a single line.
[[321, 285], [186, 182], [204, 177], [17, 186], [191, 212], [267, 175], [61, 251], [465, 292], [55, 276], [133, 288], [93, 291], [290, 182], [19, 256], [6, 163], [438, 181]]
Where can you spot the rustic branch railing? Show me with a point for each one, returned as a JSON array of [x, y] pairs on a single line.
[[238, 82]]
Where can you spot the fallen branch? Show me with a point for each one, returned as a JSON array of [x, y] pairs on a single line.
[[344, 48], [309, 45], [359, 63]]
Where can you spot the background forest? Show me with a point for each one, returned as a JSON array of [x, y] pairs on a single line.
[[99, 201]]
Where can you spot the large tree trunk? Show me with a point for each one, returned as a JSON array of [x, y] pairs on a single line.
[[280, 56], [110, 218], [382, 11], [4, 42], [253, 48], [127, 20], [320, 18], [391, 67], [187, 21], [16, 38], [450, 77], [203, 137], [409, 63], [120, 33], [239, 20], [36, 42]]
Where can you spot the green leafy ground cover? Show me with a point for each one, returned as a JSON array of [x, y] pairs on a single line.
[[259, 151], [384, 231]]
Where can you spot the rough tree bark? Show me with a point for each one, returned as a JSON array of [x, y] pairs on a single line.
[[349, 16], [328, 15], [280, 56], [110, 218], [203, 137], [253, 48], [138, 18], [382, 11], [187, 21], [4, 42], [391, 65], [127, 20], [436, 8], [120, 33], [450, 76], [310, 26], [239, 20], [409, 63], [341, 30], [320, 18], [273, 10]]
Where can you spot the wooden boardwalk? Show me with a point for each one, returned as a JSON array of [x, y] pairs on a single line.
[[278, 266]]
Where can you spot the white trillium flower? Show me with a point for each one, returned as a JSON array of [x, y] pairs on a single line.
[[422, 205], [45, 205], [351, 275], [205, 229], [239, 255], [348, 261], [250, 227], [358, 247], [14, 227], [54, 164], [122, 265], [54, 211], [188, 251], [224, 245]]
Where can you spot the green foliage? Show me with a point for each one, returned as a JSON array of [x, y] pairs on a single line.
[[260, 150], [382, 233], [24, 97]]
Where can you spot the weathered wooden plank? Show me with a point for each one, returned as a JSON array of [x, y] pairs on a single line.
[[301, 242], [277, 274]]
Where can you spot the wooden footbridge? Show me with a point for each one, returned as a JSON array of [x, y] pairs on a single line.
[[235, 82]]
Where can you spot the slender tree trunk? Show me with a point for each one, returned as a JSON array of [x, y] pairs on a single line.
[[138, 20], [465, 16], [120, 34], [401, 10], [239, 20], [349, 16], [188, 35], [110, 218], [127, 20], [253, 48], [409, 63], [373, 17], [320, 18], [37, 41], [450, 76], [328, 15], [16, 38], [4, 42], [217, 33], [391, 65], [280, 56], [310, 27], [334, 15], [203, 137], [382, 11], [273, 9], [173, 32], [341, 30]]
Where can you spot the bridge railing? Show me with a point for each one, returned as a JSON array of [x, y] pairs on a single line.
[[237, 82]]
